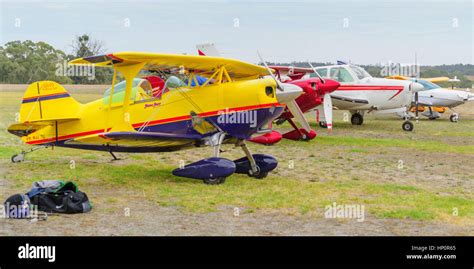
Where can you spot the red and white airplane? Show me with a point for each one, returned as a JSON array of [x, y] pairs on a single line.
[[315, 93], [359, 92]]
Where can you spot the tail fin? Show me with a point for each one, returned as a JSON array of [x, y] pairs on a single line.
[[48, 101], [208, 49]]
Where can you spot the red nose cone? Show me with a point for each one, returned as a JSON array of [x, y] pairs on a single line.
[[329, 86]]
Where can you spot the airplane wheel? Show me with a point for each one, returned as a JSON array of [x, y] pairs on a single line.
[[357, 119], [323, 124], [214, 181], [407, 126], [454, 118], [261, 175], [258, 175], [18, 158]]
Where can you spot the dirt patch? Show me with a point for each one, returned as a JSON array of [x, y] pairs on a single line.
[[109, 217]]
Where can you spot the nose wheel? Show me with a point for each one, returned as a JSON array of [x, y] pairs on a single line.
[[407, 126], [357, 119], [454, 117]]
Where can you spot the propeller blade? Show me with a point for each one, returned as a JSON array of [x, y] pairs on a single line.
[[287, 95], [279, 86], [416, 106], [316, 72], [327, 104], [299, 116]]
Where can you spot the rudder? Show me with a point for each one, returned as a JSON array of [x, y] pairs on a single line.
[[46, 101]]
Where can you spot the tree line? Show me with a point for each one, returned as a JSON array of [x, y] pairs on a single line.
[[23, 62]]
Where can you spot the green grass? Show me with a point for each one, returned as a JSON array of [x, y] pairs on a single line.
[[289, 196], [431, 146]]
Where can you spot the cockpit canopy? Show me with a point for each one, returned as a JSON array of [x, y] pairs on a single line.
[[149, 87], [342, 73]]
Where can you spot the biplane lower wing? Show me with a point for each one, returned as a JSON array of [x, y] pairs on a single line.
[[134, 141]]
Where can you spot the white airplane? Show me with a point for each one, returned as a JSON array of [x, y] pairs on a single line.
[[360, 92], [435, 96]]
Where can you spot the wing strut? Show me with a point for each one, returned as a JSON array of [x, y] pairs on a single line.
[[129, 72]]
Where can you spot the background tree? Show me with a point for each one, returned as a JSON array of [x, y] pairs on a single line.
[[27, 61], [85, 46]]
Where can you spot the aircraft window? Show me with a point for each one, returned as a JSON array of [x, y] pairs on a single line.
[[323, 72], [341, 74], [174, 82], [119, 92], [360, 72]]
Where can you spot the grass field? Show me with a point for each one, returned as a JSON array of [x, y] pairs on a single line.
[[424, 175]]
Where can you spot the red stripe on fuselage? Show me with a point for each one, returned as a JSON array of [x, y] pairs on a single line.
[[162, 121], [399, 89], [206, 114]]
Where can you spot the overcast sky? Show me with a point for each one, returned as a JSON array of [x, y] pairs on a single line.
[[364, 32]]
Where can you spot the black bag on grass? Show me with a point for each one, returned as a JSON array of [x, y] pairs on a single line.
[[17, 206], [66, 199]]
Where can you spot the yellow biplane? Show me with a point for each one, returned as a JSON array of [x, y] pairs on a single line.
[[166, 103]]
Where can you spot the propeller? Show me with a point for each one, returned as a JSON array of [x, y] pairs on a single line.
[[416, 106], [327, 102], [287, 96], [316, 72], [327, 105], [416, 92]]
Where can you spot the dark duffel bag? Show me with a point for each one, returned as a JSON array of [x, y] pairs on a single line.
[[62, 202]]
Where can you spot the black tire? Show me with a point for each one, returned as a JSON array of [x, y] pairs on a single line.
[[323, 124], [261, 175], [258, 175], [357, 119], [214, 181], [16, 160], [407, 126], [453, 118]]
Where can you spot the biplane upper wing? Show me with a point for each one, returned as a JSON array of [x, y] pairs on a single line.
[[135, 139], [235, 68]]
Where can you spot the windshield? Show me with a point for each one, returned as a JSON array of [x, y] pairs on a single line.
[[360, 72], [427, 84], [119, 91]]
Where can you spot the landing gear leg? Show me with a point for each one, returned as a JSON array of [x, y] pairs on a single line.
[[302, 135], [113, 156], [254, 169], [20, 157]]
